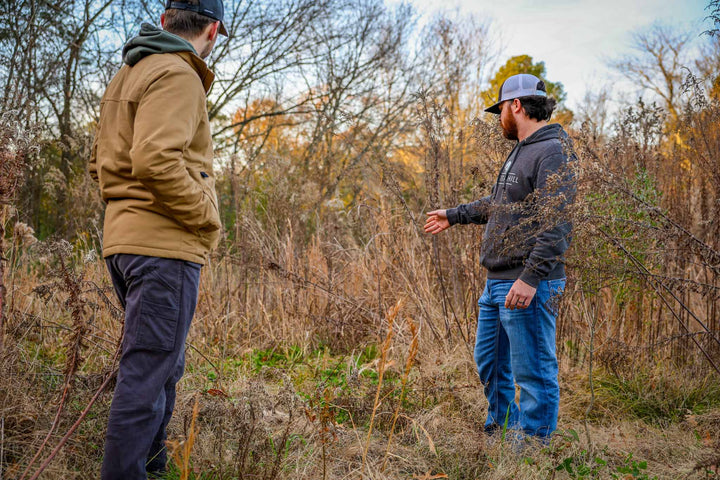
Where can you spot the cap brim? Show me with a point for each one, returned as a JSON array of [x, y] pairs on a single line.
[[494, 109], [222, 29]]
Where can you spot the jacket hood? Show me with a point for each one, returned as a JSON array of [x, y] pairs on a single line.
[[153, 40], [548, 132]]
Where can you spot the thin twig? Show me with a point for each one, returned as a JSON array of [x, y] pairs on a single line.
[[77, 423], [654, 283]]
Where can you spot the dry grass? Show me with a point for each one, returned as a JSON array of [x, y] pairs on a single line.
[[339, 347], [269, 411]]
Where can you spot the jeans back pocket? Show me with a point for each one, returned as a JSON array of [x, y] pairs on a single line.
[[556, 289]]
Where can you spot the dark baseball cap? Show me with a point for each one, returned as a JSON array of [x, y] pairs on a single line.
[[520, 85], [208, 8]]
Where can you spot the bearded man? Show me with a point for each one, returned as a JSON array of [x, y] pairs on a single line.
[[523, 249]]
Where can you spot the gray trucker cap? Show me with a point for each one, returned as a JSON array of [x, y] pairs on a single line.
[[520, 85]]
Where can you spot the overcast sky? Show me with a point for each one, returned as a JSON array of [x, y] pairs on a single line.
[[575, 37]]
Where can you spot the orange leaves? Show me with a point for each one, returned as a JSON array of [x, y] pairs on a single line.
[[428, 476], [215, 392], [258, 123]]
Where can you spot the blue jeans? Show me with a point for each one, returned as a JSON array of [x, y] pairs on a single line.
[[159, 296], [521, 344]]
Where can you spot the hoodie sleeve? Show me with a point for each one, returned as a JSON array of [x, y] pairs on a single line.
[[475, 212], [166, 120], [555, 190]]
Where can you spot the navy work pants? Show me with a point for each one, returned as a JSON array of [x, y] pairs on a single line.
[[159, 296]]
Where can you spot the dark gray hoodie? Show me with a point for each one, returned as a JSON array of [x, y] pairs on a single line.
[[535, 181]]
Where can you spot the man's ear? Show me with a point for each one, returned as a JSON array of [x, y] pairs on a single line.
[[212, 31], [162, 20], [516, 106]]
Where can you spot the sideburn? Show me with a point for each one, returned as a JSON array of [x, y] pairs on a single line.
[[510, 131]]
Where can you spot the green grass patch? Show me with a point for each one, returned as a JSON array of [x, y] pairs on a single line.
[[659, 399]]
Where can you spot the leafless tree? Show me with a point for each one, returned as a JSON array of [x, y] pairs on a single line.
[[52, 60], [660, 53], [593, 112]]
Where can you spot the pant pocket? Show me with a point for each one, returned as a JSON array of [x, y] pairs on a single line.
[[157, 326], [556, 288]]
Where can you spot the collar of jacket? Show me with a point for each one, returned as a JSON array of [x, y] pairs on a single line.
[[198, 64]]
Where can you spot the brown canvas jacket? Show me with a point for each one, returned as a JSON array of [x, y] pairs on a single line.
[[152, 157]]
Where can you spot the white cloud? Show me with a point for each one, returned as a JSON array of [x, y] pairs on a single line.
[[575, 38]]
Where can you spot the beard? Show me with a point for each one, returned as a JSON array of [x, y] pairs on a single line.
[[509, 127], [206, 51]]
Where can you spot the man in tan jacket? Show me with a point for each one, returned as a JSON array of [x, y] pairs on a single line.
[[152, 158]]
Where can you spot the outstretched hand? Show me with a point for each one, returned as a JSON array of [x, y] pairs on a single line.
[[436, 222]]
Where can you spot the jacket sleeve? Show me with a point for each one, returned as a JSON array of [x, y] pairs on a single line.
[[92, 165], [475, 212], [554, 191], [166, 120]]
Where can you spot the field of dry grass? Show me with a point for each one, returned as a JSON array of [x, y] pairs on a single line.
[[333, 339], [335, 362]]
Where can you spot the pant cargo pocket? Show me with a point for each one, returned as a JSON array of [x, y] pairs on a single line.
[[157, 327]]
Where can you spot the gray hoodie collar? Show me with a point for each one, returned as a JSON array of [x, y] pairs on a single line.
[[548, 132], [153, 40]]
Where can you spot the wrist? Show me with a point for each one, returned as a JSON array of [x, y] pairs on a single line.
[[452, 216], [530, 278]]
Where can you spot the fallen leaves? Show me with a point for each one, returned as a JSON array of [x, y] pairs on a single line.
[[428, 476]]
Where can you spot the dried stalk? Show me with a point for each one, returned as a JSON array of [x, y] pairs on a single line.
[[381, 371], [77, 423], [3, 290], [180, 451], [412, 352], [75, 344]]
